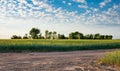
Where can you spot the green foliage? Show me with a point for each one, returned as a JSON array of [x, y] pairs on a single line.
[[97, 36], [76, 35], [88, 36], [108, 36], [46, 34], [111, 58], [45, 45], [61, 36], [54, 35], [25, 37], [50, 35], [34, 32], [16, 37]]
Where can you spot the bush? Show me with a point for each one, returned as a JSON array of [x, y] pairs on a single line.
[[111, 58]]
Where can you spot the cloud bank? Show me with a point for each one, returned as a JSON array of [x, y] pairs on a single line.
[[32, 13]]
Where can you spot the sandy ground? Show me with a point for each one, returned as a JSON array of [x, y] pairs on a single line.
[[54, 61]]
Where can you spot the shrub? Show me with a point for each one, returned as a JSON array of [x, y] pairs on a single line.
[[111, 58]]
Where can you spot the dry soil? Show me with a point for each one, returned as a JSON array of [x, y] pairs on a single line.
[[55, 61]]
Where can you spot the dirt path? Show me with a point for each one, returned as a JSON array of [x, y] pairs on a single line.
[[54, 61]]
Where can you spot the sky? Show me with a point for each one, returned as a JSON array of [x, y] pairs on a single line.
[[17, 17]]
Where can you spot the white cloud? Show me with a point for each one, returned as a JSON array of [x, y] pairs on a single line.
[[69, 4], [23, 26], [45, 13], [64, 2], [83, 6], [95, 9], [115, 6], [102, 4], [50, 14], [87, 11], [35, 2], [79, 1], [23, 1]]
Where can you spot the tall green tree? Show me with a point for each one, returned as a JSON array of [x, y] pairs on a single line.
[[16, 37], [46, 34], [25, 36], [54, 35], [50, 35], [109, 36], [40, 36], [61, 36], [97, 36], [71, 35], [91, 36], [76, 35], [34, 33], [102, 36]]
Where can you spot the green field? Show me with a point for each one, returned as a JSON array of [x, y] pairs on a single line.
[[43, 45]]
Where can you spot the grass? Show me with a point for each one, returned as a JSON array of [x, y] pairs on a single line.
[[43, 45], [111, 58]]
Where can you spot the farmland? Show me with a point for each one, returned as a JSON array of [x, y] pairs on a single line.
[[55, 61], [46, 54], [48, 45]]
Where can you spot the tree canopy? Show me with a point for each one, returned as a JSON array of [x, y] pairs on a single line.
[[34, 33]]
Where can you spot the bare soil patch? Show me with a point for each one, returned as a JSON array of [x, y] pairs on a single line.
[[54, 61]]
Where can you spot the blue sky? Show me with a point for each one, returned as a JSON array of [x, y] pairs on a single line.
[[64, 16]]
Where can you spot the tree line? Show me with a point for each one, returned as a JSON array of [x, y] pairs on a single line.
[[35, 33]]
